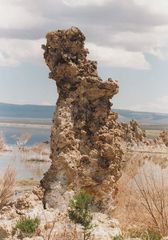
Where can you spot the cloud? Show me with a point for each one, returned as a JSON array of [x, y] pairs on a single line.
[[15, 51], [14, 15], [128, 29], [117, 57], [154, 5], [75, 3], [109, 16], [158, 105]]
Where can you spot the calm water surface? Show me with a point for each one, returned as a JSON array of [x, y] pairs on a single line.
[[37, 134], [26, 169]]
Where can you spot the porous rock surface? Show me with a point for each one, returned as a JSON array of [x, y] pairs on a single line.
[[54, 224], [133, 133], [164, 137], [85, 136]]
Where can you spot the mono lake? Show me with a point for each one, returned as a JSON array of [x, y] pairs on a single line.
[[25, 166], [29, 164], [29, 171], [38, 134]]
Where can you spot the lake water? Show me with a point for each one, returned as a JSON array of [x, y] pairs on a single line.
[[37, 134], [28, 173], [21, 162]]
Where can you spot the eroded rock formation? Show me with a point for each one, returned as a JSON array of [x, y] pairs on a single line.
[[164, 137], [85, 137], [133, 133]]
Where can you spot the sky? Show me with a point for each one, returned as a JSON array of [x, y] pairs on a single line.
[[128, 38]]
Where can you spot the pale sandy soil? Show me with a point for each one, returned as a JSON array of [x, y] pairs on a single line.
[[153, 133]]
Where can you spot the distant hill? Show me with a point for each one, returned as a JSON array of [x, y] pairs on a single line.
[[142, 117], [8, 111], [25, 111]]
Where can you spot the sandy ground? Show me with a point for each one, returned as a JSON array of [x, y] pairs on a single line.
[[153, 133]]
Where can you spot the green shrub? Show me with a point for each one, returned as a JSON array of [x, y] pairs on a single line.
[[79, 211], [28, 225]]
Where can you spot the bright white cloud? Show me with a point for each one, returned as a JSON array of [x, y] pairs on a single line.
[[153, 42], [15, 51], [117, 57], [125, 30], [158, 6], [14, 15], [158, 105]]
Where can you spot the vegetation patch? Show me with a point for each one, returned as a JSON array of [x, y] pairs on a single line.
[[28, 225], [79, 212]]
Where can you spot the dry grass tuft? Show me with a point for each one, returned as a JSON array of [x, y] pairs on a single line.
[[40, 148], [22, 140], [2, 143], [142, 200], [7, 186]]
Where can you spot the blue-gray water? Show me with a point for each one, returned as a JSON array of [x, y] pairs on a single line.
[[37, 134], [25, 169], [25, 114], [39, 130]]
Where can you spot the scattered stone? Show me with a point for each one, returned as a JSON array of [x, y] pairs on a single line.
[[105, 227], [5, 229], [38, 191]]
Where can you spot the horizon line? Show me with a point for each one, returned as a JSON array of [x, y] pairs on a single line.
[[48, 105]]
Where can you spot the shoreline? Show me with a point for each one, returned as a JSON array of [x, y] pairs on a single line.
[[24, 124]]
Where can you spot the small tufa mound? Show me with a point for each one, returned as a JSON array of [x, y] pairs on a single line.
[[164, 137], [85, 137], [133, 133]]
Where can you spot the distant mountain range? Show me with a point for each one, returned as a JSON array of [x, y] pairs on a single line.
[[25, 111], [8, 111], [143, 117]]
